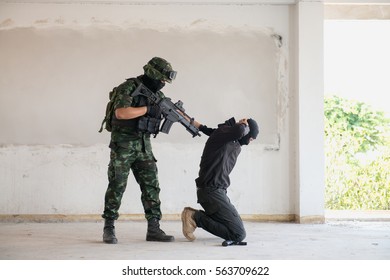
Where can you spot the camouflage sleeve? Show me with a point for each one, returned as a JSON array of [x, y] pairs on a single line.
[[124, 98]]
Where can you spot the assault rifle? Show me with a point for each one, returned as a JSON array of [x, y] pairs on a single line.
[[172, 112]]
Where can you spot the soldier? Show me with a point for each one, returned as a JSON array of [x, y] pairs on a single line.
[[133, 121], [220, 153]]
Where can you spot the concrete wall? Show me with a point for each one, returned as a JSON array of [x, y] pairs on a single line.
[[60, 60]]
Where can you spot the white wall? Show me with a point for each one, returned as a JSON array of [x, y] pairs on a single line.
[[59, 61]]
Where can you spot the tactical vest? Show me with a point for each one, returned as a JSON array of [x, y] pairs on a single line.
[[143, 124]]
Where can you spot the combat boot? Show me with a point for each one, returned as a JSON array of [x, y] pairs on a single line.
[[189, 224], [109, 232], [155, 233]]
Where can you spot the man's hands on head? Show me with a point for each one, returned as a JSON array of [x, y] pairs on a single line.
[[244, 121]]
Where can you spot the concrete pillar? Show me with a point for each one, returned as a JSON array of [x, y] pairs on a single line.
[[309, 119]]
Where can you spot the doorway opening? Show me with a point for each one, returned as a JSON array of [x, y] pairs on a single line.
[[357, 112]]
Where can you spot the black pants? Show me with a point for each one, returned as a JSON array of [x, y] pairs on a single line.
[[219, 217]]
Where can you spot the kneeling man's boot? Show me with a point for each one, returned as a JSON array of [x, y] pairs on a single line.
[[189, 224], [109, 232], [155, 233]]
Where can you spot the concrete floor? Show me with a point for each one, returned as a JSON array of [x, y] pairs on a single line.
[[337, 240]]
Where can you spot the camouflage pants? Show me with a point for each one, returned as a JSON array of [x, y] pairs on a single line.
[[135, 155]]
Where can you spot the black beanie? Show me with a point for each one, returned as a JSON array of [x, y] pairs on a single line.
[[253, 132]]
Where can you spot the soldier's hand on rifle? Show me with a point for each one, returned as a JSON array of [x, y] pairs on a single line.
[[153, 111]]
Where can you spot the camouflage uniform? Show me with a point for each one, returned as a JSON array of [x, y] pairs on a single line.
[[131, 149]]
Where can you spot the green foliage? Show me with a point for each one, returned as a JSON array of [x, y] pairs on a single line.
[[357, 150]]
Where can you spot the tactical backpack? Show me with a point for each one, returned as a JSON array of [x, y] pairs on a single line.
[[106, 123], [109, 111]]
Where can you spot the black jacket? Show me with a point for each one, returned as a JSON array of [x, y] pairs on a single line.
[[219, 155]]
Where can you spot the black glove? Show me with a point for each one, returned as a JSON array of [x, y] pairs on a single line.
[[153, 111]]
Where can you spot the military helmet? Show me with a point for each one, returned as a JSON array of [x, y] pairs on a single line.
[[160, 69]]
